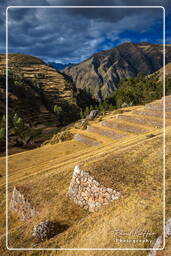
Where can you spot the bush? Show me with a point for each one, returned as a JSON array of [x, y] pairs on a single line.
[[2, 129], [2, 134], [57, 109], [21, 130], [84, 99]]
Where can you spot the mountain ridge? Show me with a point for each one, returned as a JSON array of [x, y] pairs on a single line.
[[59, 66], [101, 73]]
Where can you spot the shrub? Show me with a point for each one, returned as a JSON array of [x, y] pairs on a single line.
[[57, 109], [21, 130], [2, 134]]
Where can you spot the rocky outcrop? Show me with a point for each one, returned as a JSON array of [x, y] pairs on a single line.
[[92, 114], [88, 193], [101, 73], [22, 206]]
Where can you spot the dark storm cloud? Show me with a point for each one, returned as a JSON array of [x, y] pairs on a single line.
[[73, 34]]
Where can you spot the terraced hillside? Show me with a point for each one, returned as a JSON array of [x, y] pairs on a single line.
[[128, 157], [56, 88], [34, 91], [119, 127]]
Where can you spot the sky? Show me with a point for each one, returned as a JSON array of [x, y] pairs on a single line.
[[74, 34]]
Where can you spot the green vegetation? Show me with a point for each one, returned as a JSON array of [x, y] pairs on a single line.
[[30, 95], [20, 132], [57, 109], [140, 90], [101, 107], [21, 129], [40, 76], [2, 129], [84, 99], [2, 133], [58, 112]]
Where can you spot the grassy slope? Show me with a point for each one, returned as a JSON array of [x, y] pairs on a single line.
[[84, 229], [132, 165]]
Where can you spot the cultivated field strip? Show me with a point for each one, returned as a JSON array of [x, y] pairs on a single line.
[[105, 132], [72, 159], [105, 137], [124, 126], [151, 113], [158, 106], [86, 140], [158, 123], [168, 100]]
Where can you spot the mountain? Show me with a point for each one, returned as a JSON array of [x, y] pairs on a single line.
[[34, 91], [59, 66], [101, 73]]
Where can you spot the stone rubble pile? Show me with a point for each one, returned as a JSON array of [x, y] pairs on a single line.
[[22, 206], [44, 230], [88, 193]]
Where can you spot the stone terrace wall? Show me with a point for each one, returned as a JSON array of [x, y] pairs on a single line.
[[86, 140], [22, 206], [88, 193]]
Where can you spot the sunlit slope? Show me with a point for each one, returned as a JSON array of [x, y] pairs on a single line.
[[132, 164], [139, 176], [120, 126]]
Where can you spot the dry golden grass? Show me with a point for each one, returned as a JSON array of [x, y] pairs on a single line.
[[132, 166], [94, 230]]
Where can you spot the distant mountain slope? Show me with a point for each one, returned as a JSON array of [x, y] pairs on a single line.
[[101, 73], [49, 86], [59, 66]]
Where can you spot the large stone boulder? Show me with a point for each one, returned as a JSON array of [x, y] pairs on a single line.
[[92, 114]]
